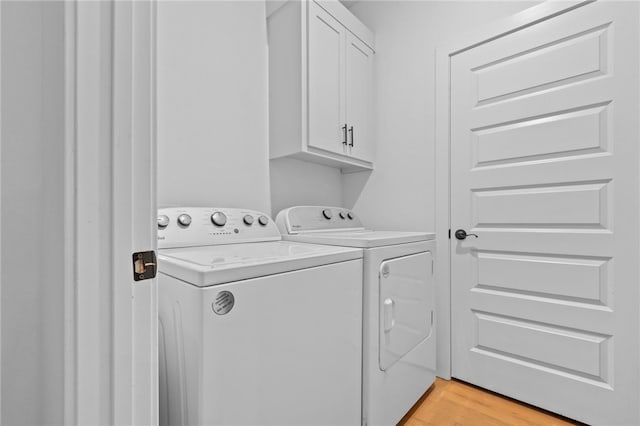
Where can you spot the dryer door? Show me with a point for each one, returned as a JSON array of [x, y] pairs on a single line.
[[406, 305]]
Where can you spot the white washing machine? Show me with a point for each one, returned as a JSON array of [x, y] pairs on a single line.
[[399, 345], [255, 330]]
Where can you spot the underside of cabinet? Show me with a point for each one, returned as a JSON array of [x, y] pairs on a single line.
[[346, 165]]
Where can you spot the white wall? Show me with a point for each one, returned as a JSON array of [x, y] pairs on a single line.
[[295, 182], [32, 212], [213, 114], [399, 193], [212, 104]]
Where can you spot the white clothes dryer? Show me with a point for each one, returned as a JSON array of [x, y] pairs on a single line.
[[399, 345], [255, 330]]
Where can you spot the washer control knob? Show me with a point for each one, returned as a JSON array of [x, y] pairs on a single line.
[[342, 215], [350, 215], [163, 221], [248, 220], [327, 214], [184, 219], [263, 220], [219, 219]]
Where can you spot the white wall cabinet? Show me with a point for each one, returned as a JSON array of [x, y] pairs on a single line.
[[321, 85], [359, 99], [326, 83]]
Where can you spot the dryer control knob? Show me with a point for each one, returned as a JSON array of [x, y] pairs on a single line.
[[263, 220], [342, 215], [248, 220], [327, 214], [184, 220], [163, 221], [350, 215], [219, 219]]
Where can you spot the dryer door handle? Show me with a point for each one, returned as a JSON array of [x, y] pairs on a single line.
[[389, 321]]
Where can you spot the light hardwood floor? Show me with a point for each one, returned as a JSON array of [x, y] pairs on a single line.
[[450, 403]]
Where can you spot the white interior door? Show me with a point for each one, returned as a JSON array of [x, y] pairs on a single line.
[[359, 98], [326, 81], [544, 169]]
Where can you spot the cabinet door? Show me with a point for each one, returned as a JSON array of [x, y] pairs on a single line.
[[359, 98], [326, 70]]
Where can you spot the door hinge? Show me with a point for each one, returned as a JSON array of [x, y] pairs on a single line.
[[144, 265], [449, 233]]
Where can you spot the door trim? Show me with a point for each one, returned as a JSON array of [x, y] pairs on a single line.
[[0, 221], [110, 326], [443, 56]]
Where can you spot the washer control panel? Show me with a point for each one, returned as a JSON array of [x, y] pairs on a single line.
[[203, 226], [316, 219]]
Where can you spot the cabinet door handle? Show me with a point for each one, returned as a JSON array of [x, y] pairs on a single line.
[[351, 131], [344, 129]]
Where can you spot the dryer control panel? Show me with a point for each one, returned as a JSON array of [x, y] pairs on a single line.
[[317, 219], [204, 226]]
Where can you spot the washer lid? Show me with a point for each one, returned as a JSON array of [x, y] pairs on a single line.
[[361, 239], [211, 265]]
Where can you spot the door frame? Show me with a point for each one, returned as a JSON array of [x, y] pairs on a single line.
[[0, 218], [110, 320], [443, 56]]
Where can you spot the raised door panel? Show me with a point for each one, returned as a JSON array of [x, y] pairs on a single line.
[[326, 63], [359, 98]]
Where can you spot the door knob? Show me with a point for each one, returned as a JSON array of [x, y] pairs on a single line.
[[461, 234]]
